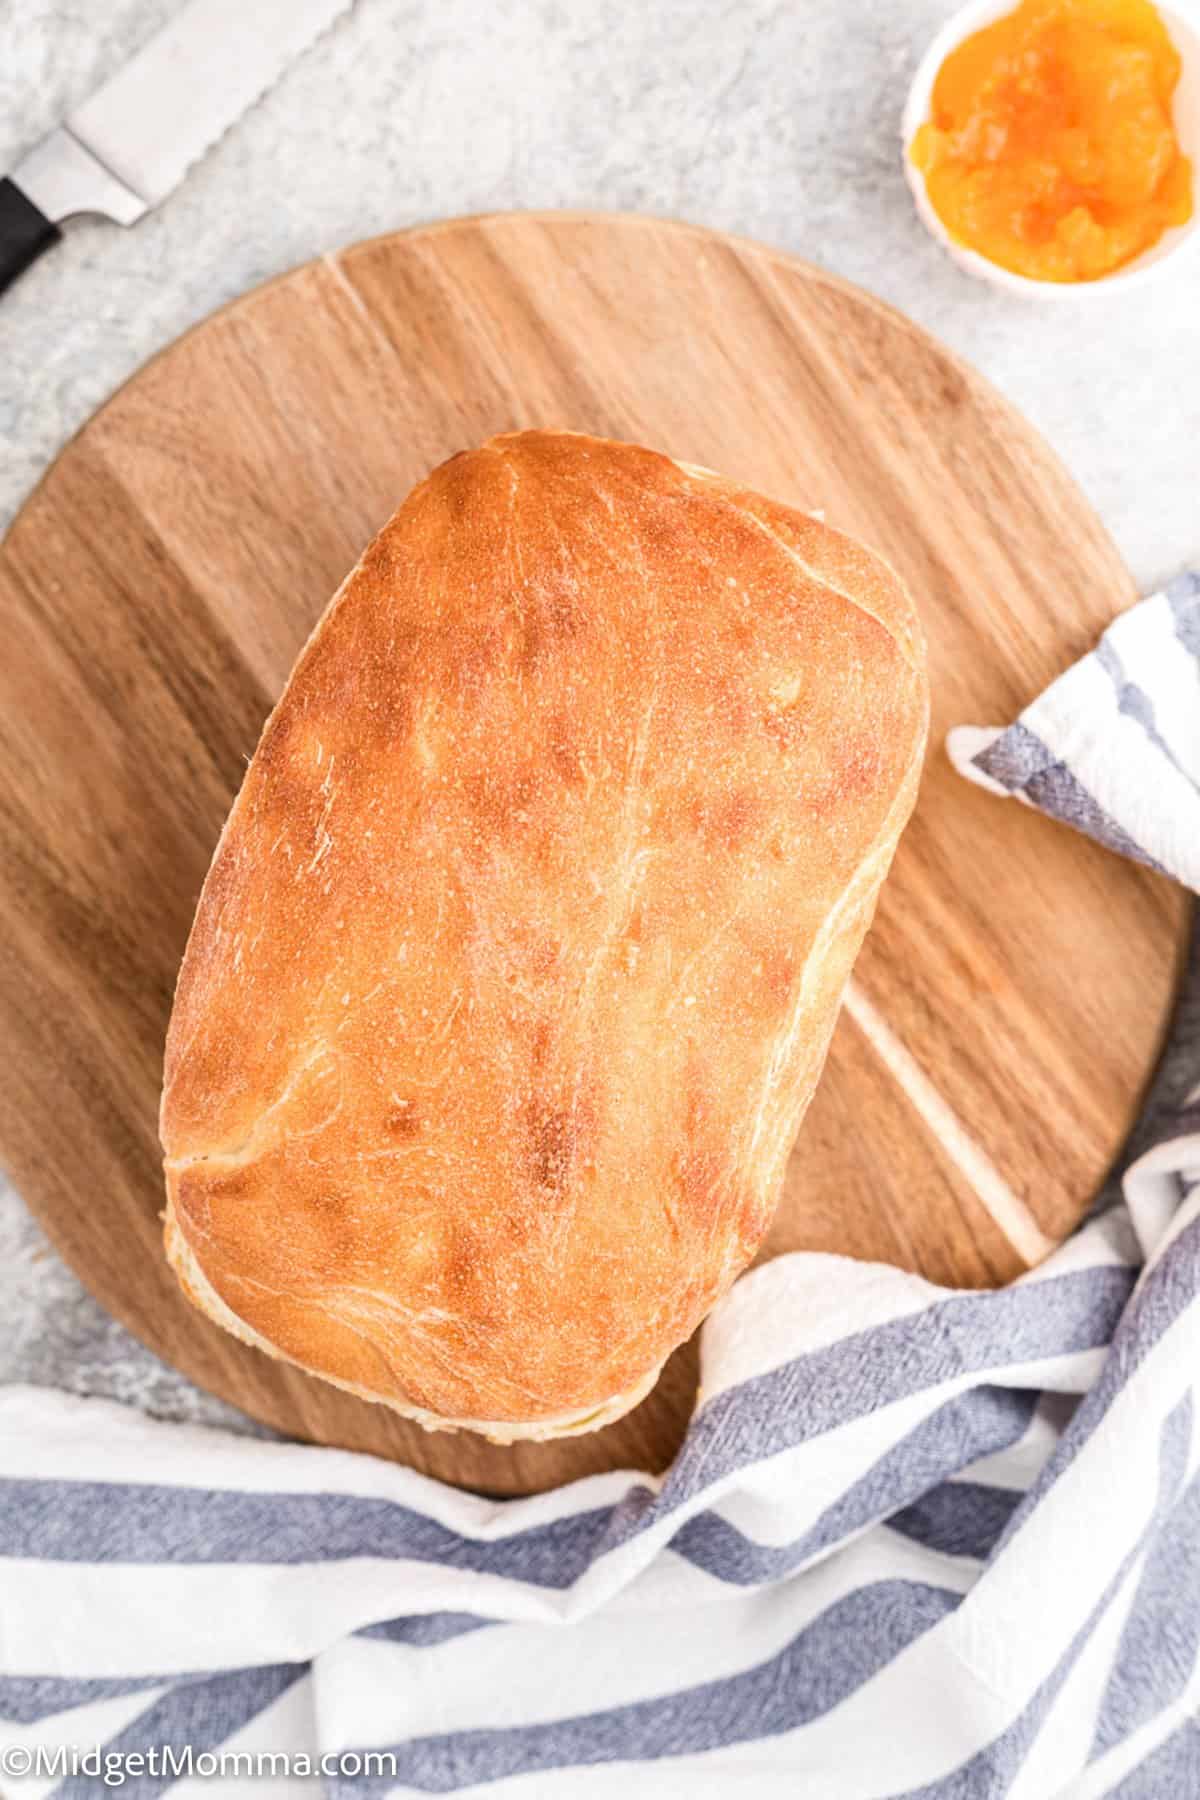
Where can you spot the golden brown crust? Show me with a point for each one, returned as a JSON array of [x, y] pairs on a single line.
[[200, 1291], [518, 959]]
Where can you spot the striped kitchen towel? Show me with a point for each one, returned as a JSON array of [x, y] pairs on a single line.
[[916, 1542], [1111, 745]]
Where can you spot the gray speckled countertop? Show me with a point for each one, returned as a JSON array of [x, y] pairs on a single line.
[[778, 121]]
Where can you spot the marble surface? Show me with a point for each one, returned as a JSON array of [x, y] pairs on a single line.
[[778, 121]]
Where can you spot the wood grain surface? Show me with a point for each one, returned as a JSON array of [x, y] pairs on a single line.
[[1011, 1000]]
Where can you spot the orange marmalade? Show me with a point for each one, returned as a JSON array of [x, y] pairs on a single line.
[[1051, 148]]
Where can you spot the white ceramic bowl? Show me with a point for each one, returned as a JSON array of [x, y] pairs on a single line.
[[1185, 34]]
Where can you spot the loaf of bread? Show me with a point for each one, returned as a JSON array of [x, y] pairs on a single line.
[[522, 946]]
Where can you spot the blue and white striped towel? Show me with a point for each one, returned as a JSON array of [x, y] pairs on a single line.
[[917, 1542], [1111, 745]]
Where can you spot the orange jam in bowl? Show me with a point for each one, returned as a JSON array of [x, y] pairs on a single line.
[[1051, 148]]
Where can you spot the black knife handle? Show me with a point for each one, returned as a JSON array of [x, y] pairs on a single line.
[[25, 232]]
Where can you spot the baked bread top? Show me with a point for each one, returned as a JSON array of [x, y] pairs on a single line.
[[520, 951]]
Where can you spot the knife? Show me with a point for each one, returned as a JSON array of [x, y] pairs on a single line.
[[127, 147]]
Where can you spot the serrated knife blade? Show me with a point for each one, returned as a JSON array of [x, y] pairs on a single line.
[[134, 140]]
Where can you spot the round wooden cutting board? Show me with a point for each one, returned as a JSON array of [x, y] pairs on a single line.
[[1011, 1000]]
